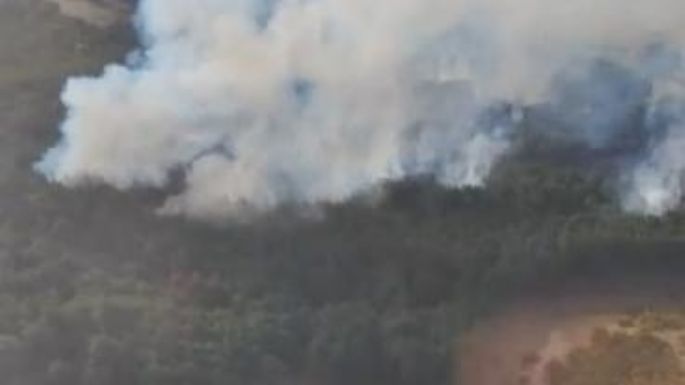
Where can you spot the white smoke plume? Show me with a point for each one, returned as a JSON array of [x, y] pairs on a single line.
[[258, 103]]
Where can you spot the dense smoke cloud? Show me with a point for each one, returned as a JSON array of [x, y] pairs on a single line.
[[257, 103]]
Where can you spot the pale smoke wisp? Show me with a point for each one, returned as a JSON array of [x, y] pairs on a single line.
[[258, 103]]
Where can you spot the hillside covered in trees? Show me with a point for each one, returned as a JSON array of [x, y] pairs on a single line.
[[370, 294], [95, 289]]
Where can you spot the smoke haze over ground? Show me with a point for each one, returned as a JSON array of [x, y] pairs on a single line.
[[258, 103]]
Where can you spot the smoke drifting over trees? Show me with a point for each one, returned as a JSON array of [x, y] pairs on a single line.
[[246, 106], [261, 103]]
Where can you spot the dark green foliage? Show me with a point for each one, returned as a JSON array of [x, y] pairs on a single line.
[[365, 294], [96, 290]]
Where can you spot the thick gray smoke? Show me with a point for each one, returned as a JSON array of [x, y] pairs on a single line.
[[257, 103]]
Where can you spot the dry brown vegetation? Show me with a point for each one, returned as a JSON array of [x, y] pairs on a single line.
[[617, 358]]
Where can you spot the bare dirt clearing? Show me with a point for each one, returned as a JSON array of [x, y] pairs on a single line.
[[103, 13], [516, 345]]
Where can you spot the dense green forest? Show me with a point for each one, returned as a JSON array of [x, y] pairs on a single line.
[[362, 292], [97, 290]]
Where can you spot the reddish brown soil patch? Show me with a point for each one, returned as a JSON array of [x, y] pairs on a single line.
[[514, 346]]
